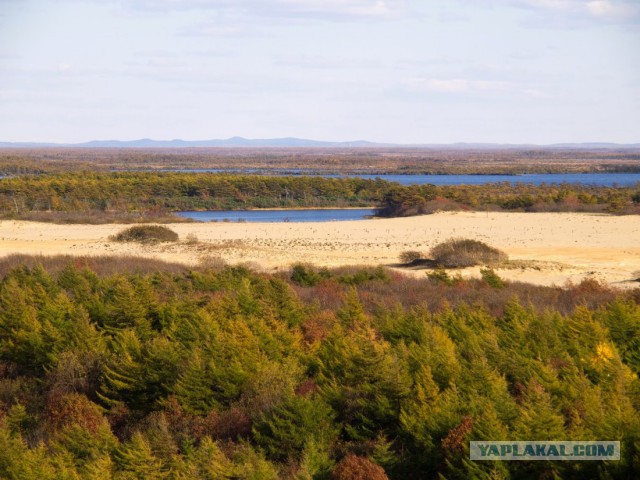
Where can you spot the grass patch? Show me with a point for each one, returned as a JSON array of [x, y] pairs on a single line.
[[102, 265], [94, 217], [464, 252], [146, 234]]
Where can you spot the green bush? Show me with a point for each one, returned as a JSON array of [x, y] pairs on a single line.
[[146, 234], [306, 275], [464, 252], [491, 278], [440, 275]]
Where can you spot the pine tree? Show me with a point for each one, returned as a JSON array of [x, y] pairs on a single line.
[[126, 308], [284, 430], [251, 465], [352, 313], [207, 462], [20, 331], [135, 460], [538, 418], [99, 468], [194, 388], [362, 380]]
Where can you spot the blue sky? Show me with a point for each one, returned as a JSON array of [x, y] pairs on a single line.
[[406, 71]]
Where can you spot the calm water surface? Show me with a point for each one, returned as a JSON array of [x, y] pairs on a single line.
[[600, 179], [298, 215]]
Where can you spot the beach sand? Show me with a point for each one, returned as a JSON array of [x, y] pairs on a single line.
[[546, 248]]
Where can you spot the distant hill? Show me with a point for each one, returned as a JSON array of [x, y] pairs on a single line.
[[293, 142], [228, 142]]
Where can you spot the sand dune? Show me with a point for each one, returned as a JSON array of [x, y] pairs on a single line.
[[552, 248]]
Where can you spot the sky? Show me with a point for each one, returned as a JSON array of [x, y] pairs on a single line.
[[399, 71]]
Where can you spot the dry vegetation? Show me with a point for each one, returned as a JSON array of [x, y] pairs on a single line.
[[457, 253], [101, 264], [146, 234], [464, 252], [410, 256]]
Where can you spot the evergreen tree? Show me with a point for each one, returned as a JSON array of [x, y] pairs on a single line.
[[135, 460], [362, 380], [207, 462], [284, 431], [194, 388]]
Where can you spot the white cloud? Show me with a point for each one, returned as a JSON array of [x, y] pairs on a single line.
[[611, 10], [453, 85], [573, 11], [307, 61], [606, 10], [214, 28], [357, 8], [535, 93], [324, 9]]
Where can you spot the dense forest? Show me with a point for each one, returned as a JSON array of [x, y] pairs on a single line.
[[139, 195], [134, 369]]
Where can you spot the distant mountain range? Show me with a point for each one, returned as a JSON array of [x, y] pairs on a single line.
[[299, 143]]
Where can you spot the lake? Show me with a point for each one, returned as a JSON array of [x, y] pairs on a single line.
[[293, 215], [599, 179]]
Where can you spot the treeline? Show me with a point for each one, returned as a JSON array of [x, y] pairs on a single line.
[[424, 199], [208, 374], [167, 192], [153, 194]]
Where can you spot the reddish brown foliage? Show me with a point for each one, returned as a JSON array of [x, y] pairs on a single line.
[[74, 409], [353, 467], [317, 328], [456, 438], [182, 424], [231, 424], [306, 388]]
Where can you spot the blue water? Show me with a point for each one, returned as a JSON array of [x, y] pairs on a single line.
[[280, 215], [599, 179]]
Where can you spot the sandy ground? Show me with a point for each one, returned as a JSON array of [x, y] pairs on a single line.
[[547, 248]]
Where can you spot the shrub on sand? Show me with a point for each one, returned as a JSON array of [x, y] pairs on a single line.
[[146, 234], [410, 256], [464, 252]]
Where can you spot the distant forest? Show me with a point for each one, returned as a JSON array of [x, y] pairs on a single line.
[[463, 160], [135, 369], [139, 196]]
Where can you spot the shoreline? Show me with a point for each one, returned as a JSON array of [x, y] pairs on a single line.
[[280, 209], [551, 250]]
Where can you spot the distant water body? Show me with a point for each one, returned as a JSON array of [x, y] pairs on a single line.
[[294, 215], [598, 179]]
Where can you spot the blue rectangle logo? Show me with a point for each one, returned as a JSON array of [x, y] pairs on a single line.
[[533, 450]]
